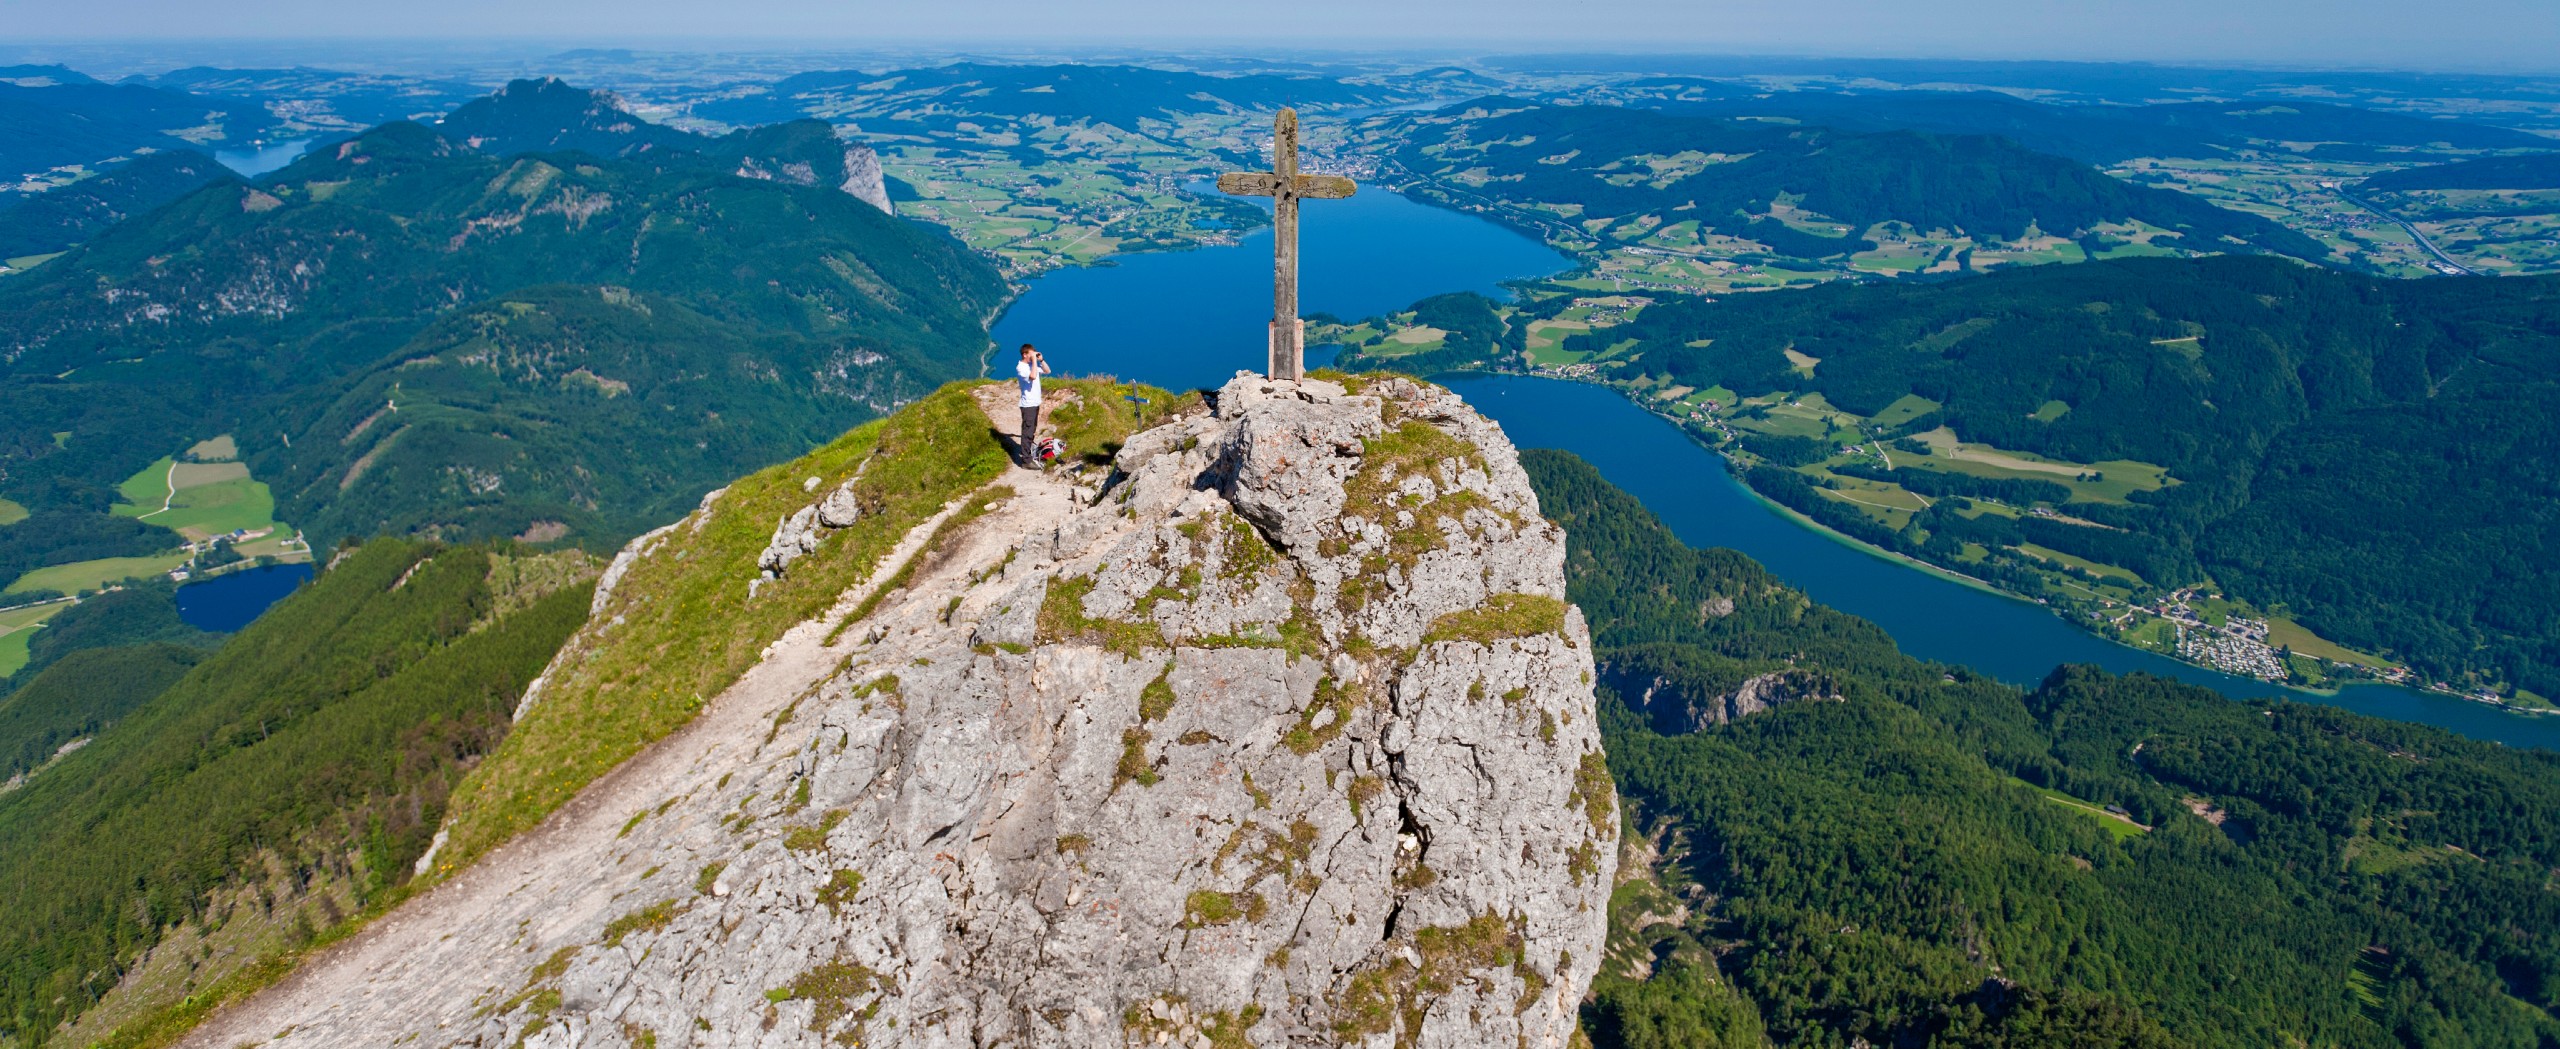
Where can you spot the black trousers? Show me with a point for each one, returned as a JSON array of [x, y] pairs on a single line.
[[1031, 435]]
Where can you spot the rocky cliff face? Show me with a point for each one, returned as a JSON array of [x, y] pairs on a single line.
[[1674, 708], [863, 177], [1284, 736]]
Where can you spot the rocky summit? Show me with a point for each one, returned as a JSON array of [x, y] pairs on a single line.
[[1277, 732]]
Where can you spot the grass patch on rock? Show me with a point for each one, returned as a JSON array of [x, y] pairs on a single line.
[[1098, 419], [1063, 620], [1393, 997], [1501, 616], [647, 919]]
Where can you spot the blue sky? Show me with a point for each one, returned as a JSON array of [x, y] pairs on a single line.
[[2497, 35]]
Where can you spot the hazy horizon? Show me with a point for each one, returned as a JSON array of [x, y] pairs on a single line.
[[2482, 36]]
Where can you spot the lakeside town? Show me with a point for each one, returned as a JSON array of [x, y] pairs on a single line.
[[2239, 645]]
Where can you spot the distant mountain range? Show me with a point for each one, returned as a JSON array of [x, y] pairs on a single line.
[[412, 335], [1122, 96], [1606, 162], [2123, 83], [2098, 134], [86, 122], [323, 98]]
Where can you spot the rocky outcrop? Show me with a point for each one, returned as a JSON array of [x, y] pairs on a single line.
[[1283, 736], [863, 177], [798, 533], [1673, 707]]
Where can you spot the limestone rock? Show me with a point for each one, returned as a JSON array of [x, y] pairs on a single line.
[[1673, 708], [793, 538], [863, 177], [1286, 739], [839, 509]]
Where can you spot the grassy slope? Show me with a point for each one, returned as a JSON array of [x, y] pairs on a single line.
[[686, 627]]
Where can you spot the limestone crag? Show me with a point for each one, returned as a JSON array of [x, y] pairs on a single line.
[[1282, 736], [1674, 709], [863, 177]]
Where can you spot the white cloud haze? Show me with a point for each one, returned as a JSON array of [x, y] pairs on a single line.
[[2516, 35]]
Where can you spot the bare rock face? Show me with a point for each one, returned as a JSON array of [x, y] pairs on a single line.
[[1285, 737], [1674, 709], [863, 177]]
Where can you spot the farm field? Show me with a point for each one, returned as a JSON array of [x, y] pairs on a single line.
[[1096, 196], [2116, 478], [81, 576], [11, 513], [199, 500], [2045, 553], [24, 263], [2121, 827], [17, 628], [1910, 406], [2285, 633]]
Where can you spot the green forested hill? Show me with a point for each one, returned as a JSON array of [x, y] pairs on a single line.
[[2532, 171], [35, 224], [1925, 861], [2380, 457], [305, 763], [1592, 163], [528, 116], [560, 337], [76, 121], [139, 613]]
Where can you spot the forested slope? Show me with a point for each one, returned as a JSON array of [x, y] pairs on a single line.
[[2381, 457], [290, 776], [1884, 869]]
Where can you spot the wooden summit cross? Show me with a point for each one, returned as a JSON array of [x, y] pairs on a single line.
[[1285, 187]]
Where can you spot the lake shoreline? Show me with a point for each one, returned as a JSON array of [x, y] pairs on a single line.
[[1908, 561], [1192, 319]]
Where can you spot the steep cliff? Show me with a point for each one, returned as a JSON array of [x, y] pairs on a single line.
[[1277, 731]]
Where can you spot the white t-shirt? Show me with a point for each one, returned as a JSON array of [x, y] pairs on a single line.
[[1027, 376]]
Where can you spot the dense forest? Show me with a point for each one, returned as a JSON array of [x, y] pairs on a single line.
[[2377, 457], [1925, 861], [2532, 171], [307, 760], [1608, 162], [64, 216]]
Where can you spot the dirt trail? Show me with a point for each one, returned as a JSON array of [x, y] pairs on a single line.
[[553, 885]]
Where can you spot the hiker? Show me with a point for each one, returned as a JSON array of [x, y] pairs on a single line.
[[1027, 375]]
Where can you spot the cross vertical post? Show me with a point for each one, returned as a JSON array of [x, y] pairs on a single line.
[[1285, 186]]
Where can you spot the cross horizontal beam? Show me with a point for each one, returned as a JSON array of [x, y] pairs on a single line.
[[1267, 184]]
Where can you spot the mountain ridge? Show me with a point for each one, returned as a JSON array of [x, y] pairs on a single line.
[[1017, 744]]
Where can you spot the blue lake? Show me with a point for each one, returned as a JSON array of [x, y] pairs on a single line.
[[251, 163], [227, 602], [1192, 319]]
